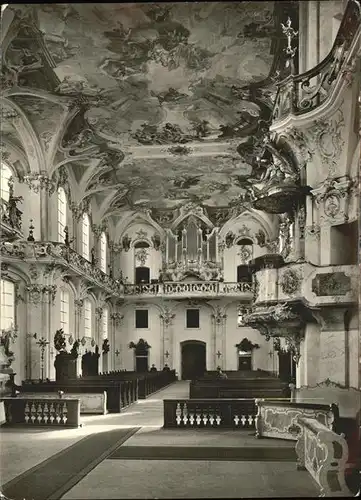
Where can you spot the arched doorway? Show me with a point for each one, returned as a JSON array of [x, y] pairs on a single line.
[[193, 355]]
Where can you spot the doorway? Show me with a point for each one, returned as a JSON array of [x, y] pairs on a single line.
[[142, 275], [193, 355], [286, 366], [141, 363], [245, 362]]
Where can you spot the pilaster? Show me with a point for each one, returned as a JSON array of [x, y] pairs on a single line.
[[167, 336], [219, 346], [116, 321], [334, 351]]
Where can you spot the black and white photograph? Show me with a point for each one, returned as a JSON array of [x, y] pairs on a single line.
[[179, 247]]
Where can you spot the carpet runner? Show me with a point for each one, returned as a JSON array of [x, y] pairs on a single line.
[[51, 479]]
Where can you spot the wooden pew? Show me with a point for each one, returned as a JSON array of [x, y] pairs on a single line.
[[119, 394], [239, 388]]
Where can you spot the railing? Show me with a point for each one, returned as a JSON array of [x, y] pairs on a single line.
[[189, 288], [299, 94], [36, 412], [278, 419], [324, 454], [69, 257], [209, 413]]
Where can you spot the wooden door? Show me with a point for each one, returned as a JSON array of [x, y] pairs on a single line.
[[193, 360], [245, 362]]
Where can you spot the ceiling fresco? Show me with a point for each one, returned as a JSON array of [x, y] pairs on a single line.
[[166, 96], [157, 66], [169, 183]]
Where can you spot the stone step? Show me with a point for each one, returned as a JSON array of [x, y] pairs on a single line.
[[276, 454]]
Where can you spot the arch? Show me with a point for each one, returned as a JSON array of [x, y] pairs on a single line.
[[16, 157], [29, 139], [194, 214], [242, 240], [141, 244], [134, 218], [265, 221]]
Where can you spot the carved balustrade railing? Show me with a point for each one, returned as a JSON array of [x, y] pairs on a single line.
[[209, 413], [324, 454], [36, 412], [60, 254], [189, 288], [300, 94]]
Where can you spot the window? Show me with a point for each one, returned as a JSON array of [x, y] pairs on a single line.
[[141, 318], [103, 252], [7, 301], [64, 311], [192, 318], [62, 208], [105, 319], [87, 318], [85, 237], [5, 176]]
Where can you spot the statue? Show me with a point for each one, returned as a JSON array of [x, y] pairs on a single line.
[[94, 260], [126, 242], [13, 215]]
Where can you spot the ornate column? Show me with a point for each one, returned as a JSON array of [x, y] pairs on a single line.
[[44, 187], [114, 267], [40, 299], [219, 338], [78, 331], [167, 355]]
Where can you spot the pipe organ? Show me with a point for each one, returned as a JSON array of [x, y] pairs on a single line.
[[191, 248]]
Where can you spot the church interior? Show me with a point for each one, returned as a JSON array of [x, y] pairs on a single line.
[[179, 250]]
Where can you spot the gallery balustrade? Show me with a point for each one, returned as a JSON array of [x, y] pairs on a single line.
[[209, 413], [190, 289], [300, 94], [38, 412]]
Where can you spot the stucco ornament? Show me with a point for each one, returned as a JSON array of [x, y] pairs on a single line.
[[167, 316], [332, 205], [290, 282]]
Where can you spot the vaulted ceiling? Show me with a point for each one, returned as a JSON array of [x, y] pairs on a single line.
[[168, 102]]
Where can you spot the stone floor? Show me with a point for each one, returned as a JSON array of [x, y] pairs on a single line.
[[154, 477]]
